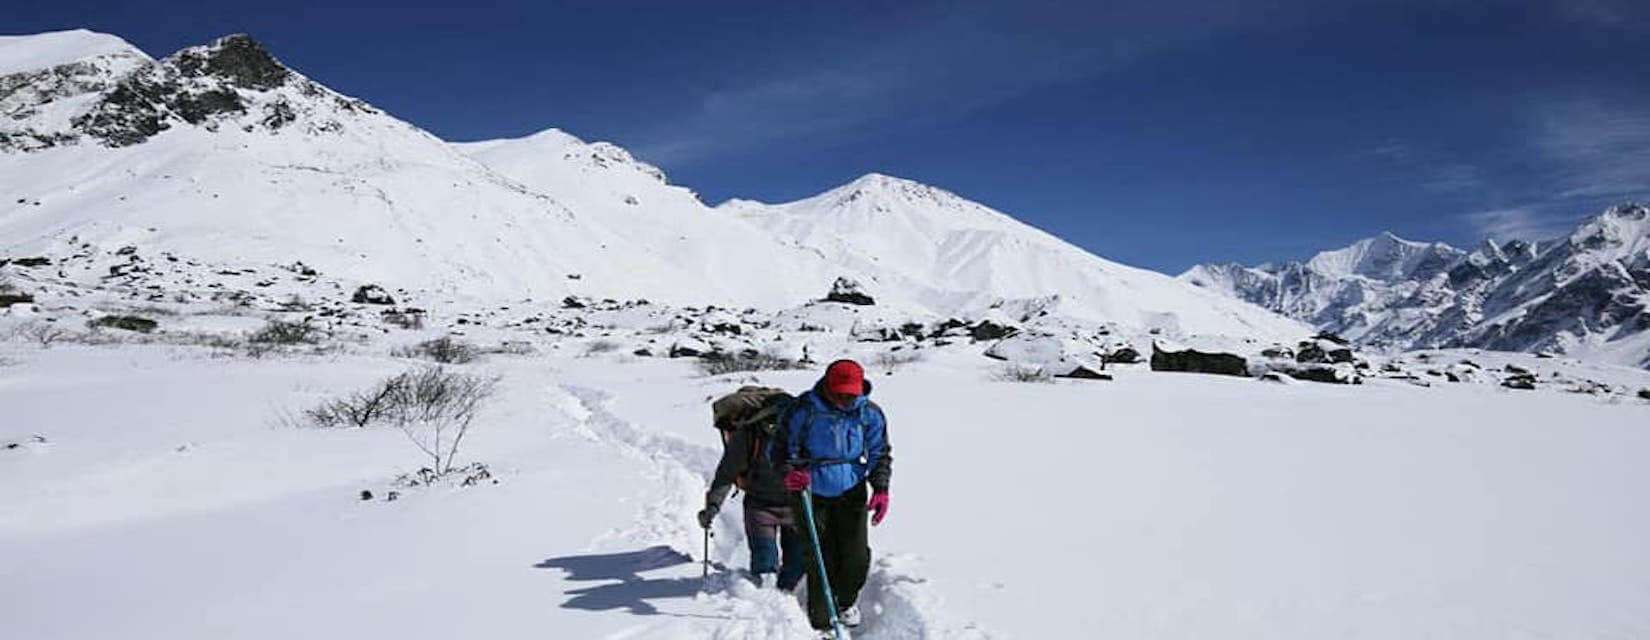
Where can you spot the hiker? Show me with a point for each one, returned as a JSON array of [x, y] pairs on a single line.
[[837, 444], [748, 419]]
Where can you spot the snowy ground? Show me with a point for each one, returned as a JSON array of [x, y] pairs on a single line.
[[170, 497]]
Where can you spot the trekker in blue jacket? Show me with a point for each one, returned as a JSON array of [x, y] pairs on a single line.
[[837, 441]]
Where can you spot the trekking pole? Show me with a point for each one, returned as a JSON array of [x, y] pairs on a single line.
[[819, 559], [706, 557]]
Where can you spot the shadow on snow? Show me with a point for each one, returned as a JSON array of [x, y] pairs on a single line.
[[632, 591]]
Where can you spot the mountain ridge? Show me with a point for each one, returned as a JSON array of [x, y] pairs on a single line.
[[221, 151], [1586, 293]]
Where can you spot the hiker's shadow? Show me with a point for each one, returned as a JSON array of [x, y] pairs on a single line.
[[632, 591]]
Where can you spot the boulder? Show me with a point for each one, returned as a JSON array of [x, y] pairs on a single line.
[[138, 324], [1278, 352], [1323, 351], [1520, 381], [1325, 373], [1645, 393], [1332, 338], [1123, 355], [1276, 377], [988, 330], [1081, 372], [372, 294], [950, 328], [848, 291], [1193, 361], [9, 299]]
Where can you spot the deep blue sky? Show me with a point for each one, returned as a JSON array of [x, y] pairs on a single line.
[[1159, 133]]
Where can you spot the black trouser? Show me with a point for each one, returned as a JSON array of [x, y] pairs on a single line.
[[844, 540]]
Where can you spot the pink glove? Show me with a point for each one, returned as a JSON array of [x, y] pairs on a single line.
[[878, 507], [797, 479]]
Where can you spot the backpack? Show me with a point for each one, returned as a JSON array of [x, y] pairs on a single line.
[[758, 409]]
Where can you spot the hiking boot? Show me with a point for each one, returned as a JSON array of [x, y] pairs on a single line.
[[849, 616]]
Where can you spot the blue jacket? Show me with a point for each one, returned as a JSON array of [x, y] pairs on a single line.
[[841, 447]]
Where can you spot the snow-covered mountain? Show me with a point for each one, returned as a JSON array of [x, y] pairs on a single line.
[[1586, 294], [957, 253], [223, 154]]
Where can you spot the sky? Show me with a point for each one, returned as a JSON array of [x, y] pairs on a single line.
[[1160, 134]]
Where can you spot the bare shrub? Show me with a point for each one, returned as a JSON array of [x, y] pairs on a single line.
[[891, 360], [44, 334], [359, 409], [1022, 373], [444, 350], [410, 319], [601, 346], [431, 406], [721, 363], [434, 407], [281, 332], [514, 348]]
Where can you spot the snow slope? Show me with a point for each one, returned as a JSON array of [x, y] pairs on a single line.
[[1186, 506], [634, 203], [289, 170], [45, 50], [922, 241]]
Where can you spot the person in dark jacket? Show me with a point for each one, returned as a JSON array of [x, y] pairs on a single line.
[[770, 529], [837, 447]]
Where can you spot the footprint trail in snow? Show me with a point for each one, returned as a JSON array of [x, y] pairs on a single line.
[[897, 602]]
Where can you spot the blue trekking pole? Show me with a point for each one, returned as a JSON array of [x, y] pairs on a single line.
[[819, 558]]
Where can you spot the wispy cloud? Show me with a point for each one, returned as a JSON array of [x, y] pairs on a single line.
[[1600, 149], [1618, 14], [1577, 155], [1437, 172], [948, 66], [1519, 223]]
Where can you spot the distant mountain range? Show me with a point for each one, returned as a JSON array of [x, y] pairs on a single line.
[[222, 153], [1586, 294]]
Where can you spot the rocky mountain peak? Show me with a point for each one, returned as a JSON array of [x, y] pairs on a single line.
[[885, 189], [237, 59]]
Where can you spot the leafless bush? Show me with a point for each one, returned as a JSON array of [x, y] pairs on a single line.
[[359, 409], [295, 303], [444, 350], [891, 360], [44, 334], [718, 364], [434, 408], [514, 348], [601, 346], [1022, 373], [431, 406], [281, 332], [410, 319]]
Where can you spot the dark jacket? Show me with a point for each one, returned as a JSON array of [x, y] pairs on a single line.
[[841, 447], [764, 477]]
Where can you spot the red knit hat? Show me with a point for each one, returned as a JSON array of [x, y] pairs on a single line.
[[845, 377]]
